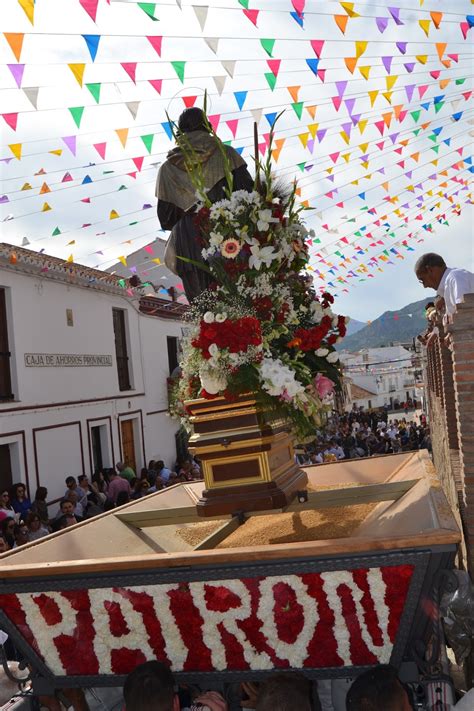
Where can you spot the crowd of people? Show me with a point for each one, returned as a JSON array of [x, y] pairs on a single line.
[[23, 520], [364, 433]]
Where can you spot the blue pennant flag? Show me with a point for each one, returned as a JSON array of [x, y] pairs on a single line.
[[298, 18], [240, 97], [167, 126], [271, 118], [87, 179], [313, 64], [92, 42]]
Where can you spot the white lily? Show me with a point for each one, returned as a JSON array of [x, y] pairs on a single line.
[[264, 219], [262, 255]]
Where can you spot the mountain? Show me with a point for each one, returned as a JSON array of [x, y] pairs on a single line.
[[399, 326], [354, 325]]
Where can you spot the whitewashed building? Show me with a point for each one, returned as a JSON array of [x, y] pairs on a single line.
[[83, 371], [380, 377]]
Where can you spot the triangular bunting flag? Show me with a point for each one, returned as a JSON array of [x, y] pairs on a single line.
[[149, 8], [113, 215], [271, 79], [220, 83], [16, 149], [156, 43], [268, 45], [90, 6], [100, 148], [17, 73], [341, 22], [240, 97], [11, 120], [133, 106], [122, 133], [212, 43], [78, 71], [156, 84], [28, 7], [15, 40], [148, 141], [130, 68], [201, 14], [229, 66], [31, 94], [92, 42], [95, 91], [76, 113]]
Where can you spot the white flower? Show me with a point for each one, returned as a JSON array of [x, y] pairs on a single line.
[[332, 357], [212, 382], [213, 350], [321, 352], [208, 317], [262, 255], [317, 310], [279, 380], [220, 318], [264, 219], [215, 239]]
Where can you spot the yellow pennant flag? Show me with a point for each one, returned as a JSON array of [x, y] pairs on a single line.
[[391, 81], [312, 128], [56, 152], [361, 46], [28, 7], [361, 125], [345, 137], [16, 149], [46, 207], [388, 95], [365, 165], [78, 71], [422, 58], [157, 260], [425, 26], [294, 91], [113, 215], [365, 71], [372, 96], [354, 182], [303, 138], [349, 8], [70, 259], [26, 186], [122, 133], [15, 40], [363, 146], [123, 260], [73, 241], [346, 156]]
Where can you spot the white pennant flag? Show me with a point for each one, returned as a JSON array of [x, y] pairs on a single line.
[[319, 215], [212, 43], [25, 242], [455, 103], [178, 3], [257, 115], [229, 66], [32, 94], [132, 106], [201, 14], [220, 83]]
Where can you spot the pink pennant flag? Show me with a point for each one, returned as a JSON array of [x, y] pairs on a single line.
[[422, 89], [87, 200], [274, 65], [138, 163], [317, 46], [435, 74], [322, 74], [337, 101], [299, 6], [133, 174], [70, 142], [464, 29], [380, 145], [11, 120], [148, 249], [252, 15], [130, 68], [90, 6], [156, 84], [334, 156], [381, 126], [454, 57], [189, 101], [232, 124], [156, 43], [17, 72], [262, 147], [100, 148], [214, 120], [67, 177]]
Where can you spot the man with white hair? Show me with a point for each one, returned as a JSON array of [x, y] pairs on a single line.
[[450, 284]]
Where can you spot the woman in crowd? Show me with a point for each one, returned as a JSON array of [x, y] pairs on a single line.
[[8, 527], [20, 502], [6, 508], [36, 529], [99, 486], [39, 505]]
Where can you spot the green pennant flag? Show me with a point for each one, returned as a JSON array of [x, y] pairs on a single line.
[[122, 283], [95, 91], [301, 166], [416, 131], [107, 172], [149, 9], [179, 69], [439, 106], [244, 3], [433, 137], [339, 254], [122, 187], [271, 79], [227, 143], [268, 45], [352, 219], [358, 234], [55, 232], [460, 81], [133, 223], [415, 115], [435, 149], [385, 251], [297, 107], [148, 141], [76, 113]]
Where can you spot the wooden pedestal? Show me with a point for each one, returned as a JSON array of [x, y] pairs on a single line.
[[248, 464]]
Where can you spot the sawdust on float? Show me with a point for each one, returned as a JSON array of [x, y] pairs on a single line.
[[194, 533], [296, 527]]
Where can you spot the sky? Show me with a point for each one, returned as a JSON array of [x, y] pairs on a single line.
[[79, 184]]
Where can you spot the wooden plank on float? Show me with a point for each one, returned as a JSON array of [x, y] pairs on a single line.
[[218, 536], [351, 496]]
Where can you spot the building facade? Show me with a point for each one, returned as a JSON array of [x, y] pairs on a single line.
[[84, 363], [381, 377]]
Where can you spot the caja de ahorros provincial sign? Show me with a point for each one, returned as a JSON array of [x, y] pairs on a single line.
[[65, 360]]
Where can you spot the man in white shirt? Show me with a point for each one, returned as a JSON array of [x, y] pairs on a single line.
[[451, 284]]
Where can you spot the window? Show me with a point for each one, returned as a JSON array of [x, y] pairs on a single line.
[[101, 456], [5, 467], [5, 374], [121, 353], [172, 343]]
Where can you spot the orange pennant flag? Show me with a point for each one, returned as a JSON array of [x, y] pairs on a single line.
[[279, 142], [341, 22], [78, 71], [294, 91], [443, 83], [436, 17], [365, 71], [122, 133], [311, 110], [415, 156], [441, 48], [350, 63], [44, 189], [15, 40], [113, 215], [28, 7], [387, 118], [16, 149], [385, 185]]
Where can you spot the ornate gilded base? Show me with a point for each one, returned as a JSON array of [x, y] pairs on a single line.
[[248, 464]]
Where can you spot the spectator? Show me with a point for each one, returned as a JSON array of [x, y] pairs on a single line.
[[376, 689], [99, 486], [20, 534], [163, 472], [40, 506], [67, 508], [6, 509], [20, 502], [451, 284], [79, 505], [36, 529], [140, 489], [125, 472], [71, 484], [150, 687], [286, 691], [65, 521], [8, 526], [4, 547], [123, 497]]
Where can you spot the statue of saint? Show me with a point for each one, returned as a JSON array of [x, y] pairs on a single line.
[[197, 149]]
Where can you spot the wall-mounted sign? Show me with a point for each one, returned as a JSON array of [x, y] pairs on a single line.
[[65, 360]]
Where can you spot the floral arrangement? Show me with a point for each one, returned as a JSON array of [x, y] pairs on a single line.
[[260, 327]]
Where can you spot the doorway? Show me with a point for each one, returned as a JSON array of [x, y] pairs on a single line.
[[128, 444], [5, 467]]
